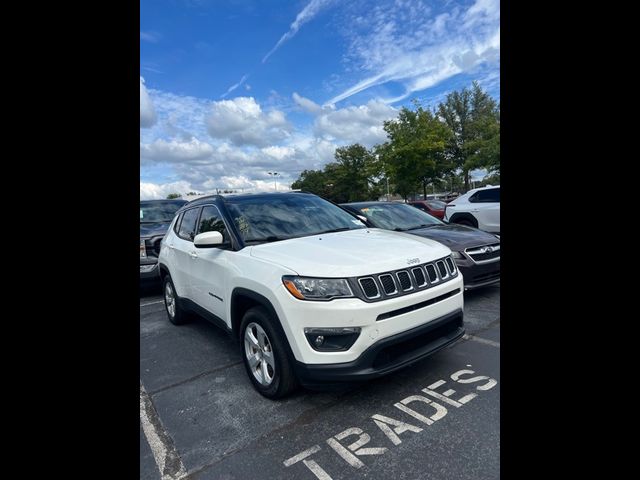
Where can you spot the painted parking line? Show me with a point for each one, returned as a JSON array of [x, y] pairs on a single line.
[[151, 303], [482, 340], [166, 457]]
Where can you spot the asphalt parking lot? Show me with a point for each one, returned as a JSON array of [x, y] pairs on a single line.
[[202, 419]]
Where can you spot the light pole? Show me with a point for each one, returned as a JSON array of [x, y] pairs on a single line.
[[387, 189], [275, 182]]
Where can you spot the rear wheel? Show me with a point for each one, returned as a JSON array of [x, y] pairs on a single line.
[[265, 355]]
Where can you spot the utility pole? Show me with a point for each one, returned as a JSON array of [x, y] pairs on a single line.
[[387, 189]]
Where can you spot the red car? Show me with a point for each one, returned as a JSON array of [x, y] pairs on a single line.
[[432, 207]]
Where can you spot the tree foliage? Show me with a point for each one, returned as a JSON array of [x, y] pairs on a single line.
[[474, 118], [350, 178], [424, 148], [173, 196]]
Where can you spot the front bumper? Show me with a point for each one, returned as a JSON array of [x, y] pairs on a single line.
[[387, 355], [377, 320], [478, 275], [149, 271]]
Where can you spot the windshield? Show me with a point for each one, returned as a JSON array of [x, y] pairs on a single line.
[[436, 204], [267, 218], [397, 216], [158, 212]]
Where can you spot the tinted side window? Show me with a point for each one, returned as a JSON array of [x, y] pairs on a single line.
[[188, 225], [211, 220], [490, 195], [176, 226], [421, 207]]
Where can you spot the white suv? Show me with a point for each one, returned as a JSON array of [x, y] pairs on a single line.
[[479, 208], [313, 296]]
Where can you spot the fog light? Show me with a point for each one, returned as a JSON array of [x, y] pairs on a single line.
[[332, 338]]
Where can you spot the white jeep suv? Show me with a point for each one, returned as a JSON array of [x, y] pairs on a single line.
[[313, 295], [478, 208]]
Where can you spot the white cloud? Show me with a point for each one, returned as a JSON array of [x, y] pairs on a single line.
[[235, 85], [247, 143], [147, 112], [243, 122], [307, 105], [154, 191], [151, 37], [307, 13], [278, 152], [362, 124], [163, 151], [405, 43]]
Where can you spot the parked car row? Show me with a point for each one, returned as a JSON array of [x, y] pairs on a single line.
[[477, 253], [314, 292]]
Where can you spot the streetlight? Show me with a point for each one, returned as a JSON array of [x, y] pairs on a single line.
[[275, 182]]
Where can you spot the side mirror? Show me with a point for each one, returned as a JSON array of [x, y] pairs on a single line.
[[363, 218], [208, 239]]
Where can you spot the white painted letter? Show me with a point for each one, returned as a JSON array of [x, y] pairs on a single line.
[[490, 384], [384, 422], [316, 469], [354, 447], [440, 410]]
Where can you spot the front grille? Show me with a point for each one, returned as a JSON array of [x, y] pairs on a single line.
[[405, 281], [400, 282], [486, 252], [388, 285], [431, 271], [442, 269], [156, 246], [451, 265], [418, 275], [369, 287]]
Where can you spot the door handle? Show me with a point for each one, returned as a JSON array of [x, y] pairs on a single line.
[[193, 254]]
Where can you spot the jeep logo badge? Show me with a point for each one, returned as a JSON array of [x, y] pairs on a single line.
[[411, 261]]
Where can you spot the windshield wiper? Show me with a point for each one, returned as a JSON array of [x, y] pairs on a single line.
[[342, 229], [420, 226], [271, 238]]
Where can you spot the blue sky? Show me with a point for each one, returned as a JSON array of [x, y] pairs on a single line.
[[233, 89]]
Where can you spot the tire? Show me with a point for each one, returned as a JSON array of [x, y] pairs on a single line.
[[175, 312], [260, 336], [465, 221]]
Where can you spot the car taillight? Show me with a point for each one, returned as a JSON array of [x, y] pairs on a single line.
[[143, 249]]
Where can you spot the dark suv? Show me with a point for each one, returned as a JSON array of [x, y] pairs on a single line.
[[155, 217]]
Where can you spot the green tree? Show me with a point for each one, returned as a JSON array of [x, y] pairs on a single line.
[[172, 196], [416, 153], [351, 178], [474, 118], [313, 181]]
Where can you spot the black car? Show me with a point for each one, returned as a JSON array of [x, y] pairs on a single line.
[[477, 253], [155, 217]]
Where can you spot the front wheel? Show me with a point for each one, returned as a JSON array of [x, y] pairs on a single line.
[[265, 356], [176, 314]]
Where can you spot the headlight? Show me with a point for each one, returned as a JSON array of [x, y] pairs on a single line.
[[457, 255], [306, 288], [143, 249]]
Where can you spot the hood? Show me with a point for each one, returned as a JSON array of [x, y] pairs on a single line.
[[456, 237], [351, 253], [154, 229]]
